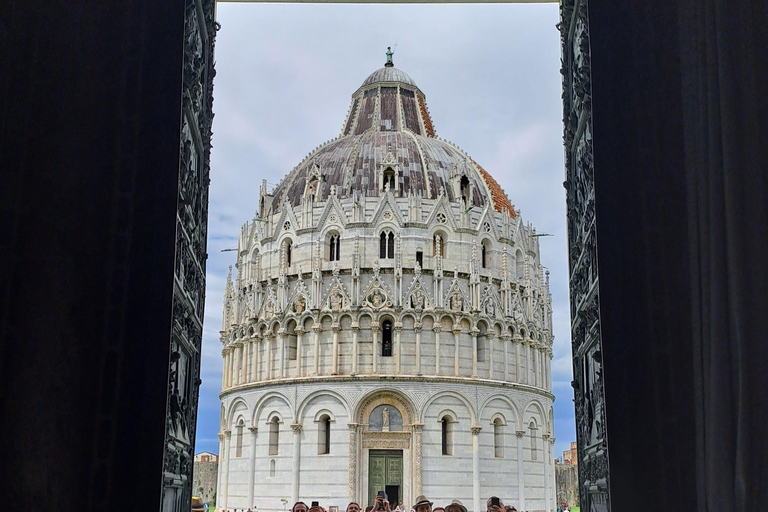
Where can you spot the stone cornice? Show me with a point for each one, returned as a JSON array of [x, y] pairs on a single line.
[[390, 378]]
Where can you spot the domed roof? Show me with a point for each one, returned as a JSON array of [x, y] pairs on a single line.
[[389, 129], [389, 74]]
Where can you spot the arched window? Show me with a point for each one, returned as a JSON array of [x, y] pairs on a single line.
[[334, 247], [386, 338], [239, 439], [272, 468], [498, 438], [312, 190], [438, 245], [287, 251], [465, 189], [386, 245], [484, 256], [389, 179], [274, 436], [532, 428], [324, 435], [481, 342], [447, 435], [420, 257]]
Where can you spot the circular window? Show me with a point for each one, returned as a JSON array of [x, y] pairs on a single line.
[[487, 227], [440, 218], [287, 225]]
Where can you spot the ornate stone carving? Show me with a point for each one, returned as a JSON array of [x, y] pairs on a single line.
[[584, 290]]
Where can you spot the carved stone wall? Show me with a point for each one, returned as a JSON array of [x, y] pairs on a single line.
[[191, 235], [584, 287]]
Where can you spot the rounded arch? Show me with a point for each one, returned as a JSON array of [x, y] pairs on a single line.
[[344, 316], [515, 412], [487, 248], [259, 407], [448, 413], [322, 414], [387, 396], [534, 410], [324, 316], [498, 419], [483, 325], [409, 315], [454, 394], [233, 409], [321, 392], [386, 315]]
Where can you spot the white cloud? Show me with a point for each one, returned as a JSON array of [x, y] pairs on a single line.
[[285, 76]]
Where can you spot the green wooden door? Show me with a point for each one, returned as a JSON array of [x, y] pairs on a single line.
[[385, 469]]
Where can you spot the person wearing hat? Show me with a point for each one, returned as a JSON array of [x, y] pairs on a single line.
[[494, 508], [197, 504], [456, 506], [422, 504]]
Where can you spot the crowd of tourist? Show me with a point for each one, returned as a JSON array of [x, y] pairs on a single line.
[[381, 504]]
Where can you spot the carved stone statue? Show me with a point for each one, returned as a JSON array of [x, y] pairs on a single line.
[[269, 310], [299, 304], [417, 269], [336, 301], [377, 299], [490, 309], [456, 302], [385, 420], [417, 300]]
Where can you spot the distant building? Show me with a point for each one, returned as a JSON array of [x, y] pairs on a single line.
[[571, 456], [204, 476], [567, 477], [206, 457]]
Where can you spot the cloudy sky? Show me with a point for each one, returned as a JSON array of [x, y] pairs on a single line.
[[285, 75]]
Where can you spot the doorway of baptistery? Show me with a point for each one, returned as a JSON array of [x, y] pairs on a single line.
[[385, 473]]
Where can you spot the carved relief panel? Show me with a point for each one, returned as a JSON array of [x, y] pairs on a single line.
[[584, 289], [191, 235]]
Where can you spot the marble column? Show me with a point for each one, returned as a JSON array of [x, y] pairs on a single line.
[[252, 465], [245, 372], [317, 329], [236, 364], [255, 360], [295, 482], [417, 458], [505, 343], [224, 373], [520, 473], [398, 347], [489, 337], [474, 353], [552, 484], [476, 466], [547, 490], [225, 483], [281, 354], [220, 467], [355, 333], [299, 351], [375, 336], [456, 334], [518, 377], [268, 350], [335, 367], [352, 477], [437, 330], [417, 328]]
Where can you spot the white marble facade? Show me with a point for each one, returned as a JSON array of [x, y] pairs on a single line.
[[387, 269]]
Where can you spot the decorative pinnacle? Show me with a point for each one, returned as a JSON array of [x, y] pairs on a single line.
[[389, 63]]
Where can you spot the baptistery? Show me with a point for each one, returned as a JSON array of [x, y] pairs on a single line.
[[389, 327]]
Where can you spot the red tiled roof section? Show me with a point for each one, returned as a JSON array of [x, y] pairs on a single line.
[[500, 200], [425, 115]]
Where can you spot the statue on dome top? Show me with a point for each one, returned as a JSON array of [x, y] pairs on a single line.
[[389, 63]]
